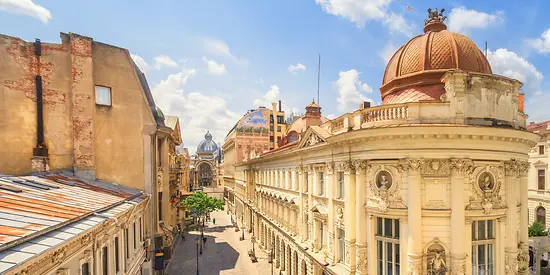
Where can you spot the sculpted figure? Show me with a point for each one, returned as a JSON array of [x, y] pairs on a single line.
[[438, 266]]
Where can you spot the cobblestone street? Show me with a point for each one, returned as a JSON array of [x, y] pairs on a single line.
[[223, 254]]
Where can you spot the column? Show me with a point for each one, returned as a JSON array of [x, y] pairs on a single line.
[[510, 255], [414, 241], [458, 244], [287, 178], [499, 245], [331, 181], [309, 183], [361, 237], [350, 214], [300, 184], [524, 216]]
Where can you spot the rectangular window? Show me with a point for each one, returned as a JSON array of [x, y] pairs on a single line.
[[160, 205], [321, 183], [105, 261], [307, 227], [117, 258], [321, 237], [271, 119], [85, 269], [271, 138], [126, 243], [387, 246], [135, 236], [541, 149], [159, 152], [278, 128], [542, 179], [341, 185], [306, 182], [341, 245], [483, 243], [280, 119], [103, 95], [141, 229]]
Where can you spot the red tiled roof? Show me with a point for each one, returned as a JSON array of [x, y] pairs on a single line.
[[415, 94], [537, 126]]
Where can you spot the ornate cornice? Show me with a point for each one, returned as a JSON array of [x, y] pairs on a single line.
[[462, 165], [348, 166]]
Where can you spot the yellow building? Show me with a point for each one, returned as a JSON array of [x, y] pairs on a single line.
[[84, 106], [433, 181]]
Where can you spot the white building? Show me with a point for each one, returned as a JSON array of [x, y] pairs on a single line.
[[433, 181]]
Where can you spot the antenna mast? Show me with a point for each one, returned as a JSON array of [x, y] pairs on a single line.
[[318, 78], [485, 48]]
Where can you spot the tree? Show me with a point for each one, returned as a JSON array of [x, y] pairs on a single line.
[[202, 204], [537, 229]]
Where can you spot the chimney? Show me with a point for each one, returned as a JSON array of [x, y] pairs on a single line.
[[365, 105], [274, 133], [521, 102], [280, 106], [39, 159]]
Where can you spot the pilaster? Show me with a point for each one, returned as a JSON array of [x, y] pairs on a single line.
[[510, 249], [331, 181], [350, 213], [361, 216], [414, 214], [458, 244]]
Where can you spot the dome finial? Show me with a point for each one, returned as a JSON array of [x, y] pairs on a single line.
[[435, 21], [208, 136]]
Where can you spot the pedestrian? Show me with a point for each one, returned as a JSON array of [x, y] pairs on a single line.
[[204, 241], [182, 236], [214, 220]]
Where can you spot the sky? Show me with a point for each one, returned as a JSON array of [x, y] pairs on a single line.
[[208, 62]]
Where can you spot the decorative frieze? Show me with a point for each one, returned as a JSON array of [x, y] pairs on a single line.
[[348, 166], [384, 187], [485, 185], [435, 167]]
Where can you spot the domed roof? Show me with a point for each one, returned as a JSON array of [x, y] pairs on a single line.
[[425, 58], [207, 145]]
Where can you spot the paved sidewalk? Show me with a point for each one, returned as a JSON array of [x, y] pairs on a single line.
[[224, 253]]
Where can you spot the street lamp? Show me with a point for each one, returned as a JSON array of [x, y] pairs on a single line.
[[242, 221], [198, 242]]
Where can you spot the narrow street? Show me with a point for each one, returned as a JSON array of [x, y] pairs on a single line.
[[223, 254]]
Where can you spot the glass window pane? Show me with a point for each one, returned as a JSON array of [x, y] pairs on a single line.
[[481, 230], [379, 257], [490, 229], [474, 224], [388, 227], [379, 226], [397, 260], [103, 95], [481, 260], [474, 259], [389, 261], [396, 231], [489, 259]]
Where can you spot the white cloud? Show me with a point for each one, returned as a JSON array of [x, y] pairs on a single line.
[[140, 62], [360, 11], [274, 95], [271, 96], [349, 91], [220, 48], [215, 68], [26, 7], [296, 68], [164, 61], [462, 19], [541, 44], [331, 116], [198, 112], [507, 63]]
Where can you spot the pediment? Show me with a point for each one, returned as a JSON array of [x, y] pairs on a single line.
[[540, 163], [312, 136]]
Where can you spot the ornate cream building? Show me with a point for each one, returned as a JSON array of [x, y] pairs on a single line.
[[539, 188], [433, 181]]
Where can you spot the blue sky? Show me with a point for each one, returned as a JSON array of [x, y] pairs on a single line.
[[210, 61]]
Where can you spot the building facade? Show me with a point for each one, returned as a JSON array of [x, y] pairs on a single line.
[[92, 227], [539, 188], [84, 106], [433, 181]]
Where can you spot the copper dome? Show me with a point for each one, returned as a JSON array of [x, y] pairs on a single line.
[[420, 63]]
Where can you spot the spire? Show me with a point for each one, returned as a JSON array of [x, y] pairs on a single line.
[[434, 22]]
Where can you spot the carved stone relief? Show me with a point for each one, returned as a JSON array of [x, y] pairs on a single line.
[[340, 217], [384, 187], [485, 185]]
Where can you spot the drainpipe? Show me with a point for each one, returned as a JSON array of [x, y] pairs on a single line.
[[39, 160]]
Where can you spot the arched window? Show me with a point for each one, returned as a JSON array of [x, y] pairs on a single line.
[[541, 215]]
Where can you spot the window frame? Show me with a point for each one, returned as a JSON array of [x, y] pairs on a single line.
[[385, 241], [105, 260], [488, 241], [110, 95], [541, 179], [341, 245], [321, 183], [541, 150], [341, 185]]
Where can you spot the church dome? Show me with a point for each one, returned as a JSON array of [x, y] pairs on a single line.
[[207, 146], [414, 71]]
